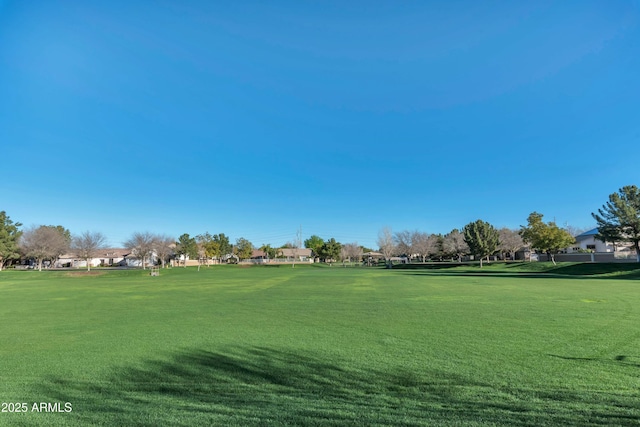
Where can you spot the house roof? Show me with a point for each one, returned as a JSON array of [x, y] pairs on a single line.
[[103, 253], [305, 252], [372, 254], [113, 253], [589, 233], [257, 253]]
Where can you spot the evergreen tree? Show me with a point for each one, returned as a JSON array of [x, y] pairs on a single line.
[[619, 219], [482, 239], [187, 247], [330, 250], [315, 244], [9, 235]]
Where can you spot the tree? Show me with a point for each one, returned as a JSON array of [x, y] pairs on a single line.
[[545, 237], [87, 246], [315, 244], [576, 231], [454, 244], [269, 251], [386, 245], [482, 238], [223, 243], [66, 234], [9, 237], [619, 219], [244, 248], [352, 251], [141, 245], [208, 247], [423, 244], [404, 243], [164, 248], [510, 241], [186, 247], [202, 253], [43, 243], [330, 250]]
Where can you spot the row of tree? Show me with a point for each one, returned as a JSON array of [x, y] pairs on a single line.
[[48, 243], [452, 245], [618, 221], [478, 238]]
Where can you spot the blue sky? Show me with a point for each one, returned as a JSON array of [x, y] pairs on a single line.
[[256, 118]]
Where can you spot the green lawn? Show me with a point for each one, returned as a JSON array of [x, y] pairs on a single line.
[[505, 345]]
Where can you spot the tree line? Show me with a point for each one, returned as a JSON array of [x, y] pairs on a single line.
[[478, 238], [618, 220]]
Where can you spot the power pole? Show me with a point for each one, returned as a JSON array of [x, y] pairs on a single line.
[[296, 245]]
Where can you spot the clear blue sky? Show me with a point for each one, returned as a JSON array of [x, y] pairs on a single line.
[[254, 118]]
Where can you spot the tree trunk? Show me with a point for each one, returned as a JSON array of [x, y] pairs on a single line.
[[88, 264], [481, 261]]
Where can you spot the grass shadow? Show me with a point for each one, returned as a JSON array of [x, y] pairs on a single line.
[[263, 386], [618, 360], [616, 271]]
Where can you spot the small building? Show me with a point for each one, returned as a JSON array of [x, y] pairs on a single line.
[[589, 241], [299, 254], [104, 258], [258, 255]]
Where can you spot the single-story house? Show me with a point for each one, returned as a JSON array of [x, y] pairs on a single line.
[[105, 257], [300, 254], [588, 241], [257, 254]]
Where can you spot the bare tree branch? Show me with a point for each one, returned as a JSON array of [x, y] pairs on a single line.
[[87, 245]]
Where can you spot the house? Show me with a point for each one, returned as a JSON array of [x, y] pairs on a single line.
[[104, 258], [588, 241], [257, 254], [299, 254]]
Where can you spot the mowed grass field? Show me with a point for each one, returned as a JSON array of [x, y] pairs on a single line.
[[323, 346]]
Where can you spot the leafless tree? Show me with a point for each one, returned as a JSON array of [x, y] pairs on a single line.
[[344, 255], [453, 243], [576, 231], [386, 245], [202, 253], [87, 246], [164, 247], [510, 241], [423, 244], [44, 243], [404, 243], [141, 246], [352, 251]]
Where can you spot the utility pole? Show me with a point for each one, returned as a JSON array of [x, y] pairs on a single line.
[[296, 245]]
